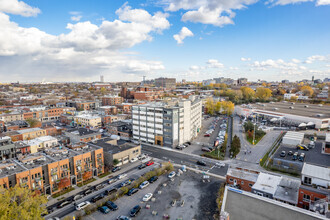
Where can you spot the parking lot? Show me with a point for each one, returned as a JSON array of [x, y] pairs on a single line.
[[199, 199], [200, 140], [313, 156]]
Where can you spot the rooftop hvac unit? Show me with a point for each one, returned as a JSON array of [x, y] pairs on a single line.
[[291, 107], [275, 109], [319, 115], [306, 106]]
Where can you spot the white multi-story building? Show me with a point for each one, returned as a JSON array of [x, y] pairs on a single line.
[[88, 120], [167, 123]]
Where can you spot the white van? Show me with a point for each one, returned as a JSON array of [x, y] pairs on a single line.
[[82, 205]]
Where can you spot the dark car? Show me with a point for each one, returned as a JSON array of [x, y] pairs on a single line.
[[89, 191], [126, 183], [97, 198], [104, 209], [109, 191], [115, 169], [135, 211], [282, 154], [290, 153], [188, 142], [179, 147], [132, 191], [61, 205], [142, 166], [111, 205], [153, 179], [200, 162]]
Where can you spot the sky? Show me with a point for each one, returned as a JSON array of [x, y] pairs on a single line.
[[79, 40]]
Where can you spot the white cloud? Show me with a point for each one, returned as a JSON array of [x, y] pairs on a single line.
[[76, 18], [287, 2], [185, 32], [18, 8], [86, 49], [194, 67], [245, 59], [215, 12], [322, 2], [314, 58], [213, 63], [295, 60]]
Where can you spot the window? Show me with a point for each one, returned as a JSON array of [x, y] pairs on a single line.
[[242, 182], [230, 180], [307, 197], [307, 180], [250, 184]]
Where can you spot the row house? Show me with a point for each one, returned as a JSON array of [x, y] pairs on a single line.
[[54, 169]]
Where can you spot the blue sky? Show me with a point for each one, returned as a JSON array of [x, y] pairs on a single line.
[[79, 40]]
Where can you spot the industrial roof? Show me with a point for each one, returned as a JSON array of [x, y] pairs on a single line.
[[267, 183], [288, 190], [299, 109], [316, 171], [242, 174]]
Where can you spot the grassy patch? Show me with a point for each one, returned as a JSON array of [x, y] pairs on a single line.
[[214, 155], [256, 140], [86, 182], [62, 192], [104, 175]]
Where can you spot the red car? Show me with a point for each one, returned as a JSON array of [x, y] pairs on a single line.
[[149, 163]]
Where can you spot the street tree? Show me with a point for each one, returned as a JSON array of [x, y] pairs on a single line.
[[21, 203], [307, 90], [247, 93], [263, 93]]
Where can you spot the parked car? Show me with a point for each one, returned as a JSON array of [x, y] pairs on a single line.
[[112, 180], [302, 147], [188, 142], [149, 163], [295, 156], [147, 197], [77, 197], [109, 191], [115, 169], [104, 209], [153, 179], [142, 166], [201, 162], [121, 176], [100, 186], [282, 154], [142, 156], [89, 191], [302, 157], [179, 147], [122, 217], [61, 205], [144, 184], [134, 160], [220, 164], [82, 205], [132, 191], [206, 149], [207, 135], [111, 205], [290, 153], [135, 211], [171, 175], [97, 198]]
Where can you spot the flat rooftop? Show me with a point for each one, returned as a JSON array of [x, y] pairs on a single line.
[[242, 174], [111, 148], [81, 131], [267, 183], [248, 206], [314, 111], [10, 167]]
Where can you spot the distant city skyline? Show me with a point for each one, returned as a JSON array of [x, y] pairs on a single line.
[[79, 41]]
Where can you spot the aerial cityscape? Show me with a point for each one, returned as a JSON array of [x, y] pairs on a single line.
[[165, 109]]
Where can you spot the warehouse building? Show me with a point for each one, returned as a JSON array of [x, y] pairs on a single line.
[[293, 138], [312, 116]]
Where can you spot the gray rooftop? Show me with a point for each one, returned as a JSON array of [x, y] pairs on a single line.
[[111, 148], [242, 174], [248, 206], [288, 190], [314, 111]]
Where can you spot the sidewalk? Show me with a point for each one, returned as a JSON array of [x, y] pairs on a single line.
[[98, 180]]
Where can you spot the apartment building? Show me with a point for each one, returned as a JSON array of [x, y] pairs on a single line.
[[88, 120], [167, 123], [168, 83], [45, 114], [54, 170], [112, 100], [82, 135], [9, 117], [83, 105], [31, 133], [9, 149], [41, 143]]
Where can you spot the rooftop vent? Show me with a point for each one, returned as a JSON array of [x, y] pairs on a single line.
[[291, 107], [306, 106]]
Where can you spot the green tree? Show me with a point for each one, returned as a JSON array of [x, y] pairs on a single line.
[[32, 122], [21, 203], [248, 126], [115, 162], [235, 146]]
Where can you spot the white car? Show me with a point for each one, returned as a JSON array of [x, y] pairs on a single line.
[[82, 205], [171, 175], [134, 160], [219, 164], [122, 176], [147, 197], [144, 184]]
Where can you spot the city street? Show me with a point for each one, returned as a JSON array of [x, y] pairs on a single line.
[[69, 209], [257, 151]]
